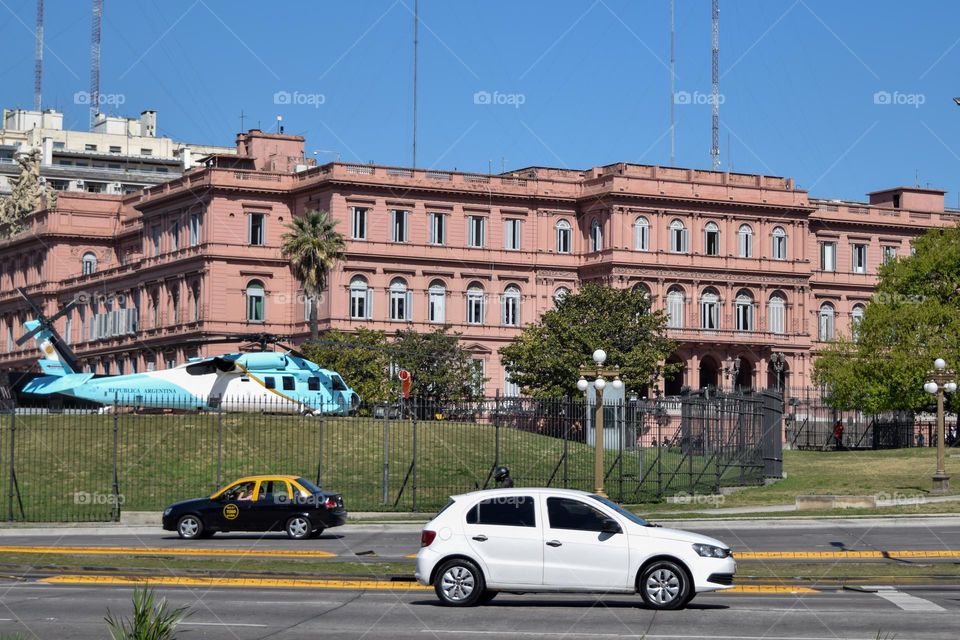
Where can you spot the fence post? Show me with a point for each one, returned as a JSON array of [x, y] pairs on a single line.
[[414, 488], [320, 449], [115, 488], [622, 428], [496, 430], [219, 445], [386, 454], [13, 473], [566, 443]]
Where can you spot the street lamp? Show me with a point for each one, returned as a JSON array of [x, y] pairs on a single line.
[[597, 371], [940, 379], [778, 360]]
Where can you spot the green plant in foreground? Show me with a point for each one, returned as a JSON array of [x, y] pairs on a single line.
[[152, 619]]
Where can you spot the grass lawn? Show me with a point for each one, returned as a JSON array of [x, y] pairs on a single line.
[[64, 463]]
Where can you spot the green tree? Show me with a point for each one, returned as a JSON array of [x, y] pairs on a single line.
[[362, 358], [912, 319], [313, 245], [545, 359], [442, 369]]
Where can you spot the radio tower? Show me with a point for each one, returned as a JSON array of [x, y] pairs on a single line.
[[95, 61], [38, 61], [715, 74]]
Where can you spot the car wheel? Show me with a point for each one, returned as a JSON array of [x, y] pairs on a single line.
[[299, 527], [190, 527], [317, 533], [488, 596], [207, 533], [664, 585], [459, 583]]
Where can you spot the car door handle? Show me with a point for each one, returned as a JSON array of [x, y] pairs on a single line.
[[554, 543], [480, 538]]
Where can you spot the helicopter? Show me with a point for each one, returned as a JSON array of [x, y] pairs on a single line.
[[282, 382]]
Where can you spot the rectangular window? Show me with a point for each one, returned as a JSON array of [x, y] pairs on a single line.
[[313, 383], [175, 236], [437, 304], [146, 152], [269, 382], [398, 226], [859, 258], [563, 237], [114, 149], [89, 147], [504, 511], [889, 254], [194, 229], [828, 256], [155, 236], [712, 243], [512, 233], [359, 223], [255, 228], [289, 384], [476, 231], [438, 228], [474, 307]]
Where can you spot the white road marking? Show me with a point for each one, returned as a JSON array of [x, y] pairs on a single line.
[[905, 601], [221, 624], [636, 636]]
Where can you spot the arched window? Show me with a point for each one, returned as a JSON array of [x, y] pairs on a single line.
[[777, 313], [564, 236], [360, 299], [255, 298], [709, 310], [89, 263], [641, 234], [675, 303], [745, 235], [596, 235], [678, 237], [856, 317], [779, 243], [437, 301], [744, 305], [476, 303], [560, 294], [510, 306], [827, 314], [711, 239], [400, 302]]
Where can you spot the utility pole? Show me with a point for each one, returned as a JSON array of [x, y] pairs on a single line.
[[95, 61], [715, 75], [38, 61]]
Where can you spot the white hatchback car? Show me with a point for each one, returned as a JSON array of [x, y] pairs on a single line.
[[523, 540]]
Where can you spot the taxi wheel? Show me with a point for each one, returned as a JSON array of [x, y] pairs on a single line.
[[299, 527], [459, 583], [317, 533], [664, 585], [190, 527]]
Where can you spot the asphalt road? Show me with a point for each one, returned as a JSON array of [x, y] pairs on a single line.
[[397, 541], [49, 611]]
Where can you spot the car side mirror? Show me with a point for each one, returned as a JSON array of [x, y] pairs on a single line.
[[610, 526]]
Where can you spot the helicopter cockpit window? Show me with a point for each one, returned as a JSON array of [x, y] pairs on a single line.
[[270, 382], [313, 383], [201, 368], [288, 383], [338, 383]]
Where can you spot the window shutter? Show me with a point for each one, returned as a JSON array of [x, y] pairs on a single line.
[[408, 305], [369, 305]]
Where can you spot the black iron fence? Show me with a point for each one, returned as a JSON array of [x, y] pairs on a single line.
[[69, 464]]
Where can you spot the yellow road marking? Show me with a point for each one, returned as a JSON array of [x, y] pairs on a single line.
[[379, 585], [174, 551], [235, 582], [840, 555], [410, 555]]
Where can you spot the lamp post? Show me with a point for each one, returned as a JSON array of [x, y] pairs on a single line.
[[778, 361], [940, 379], [597, 371]]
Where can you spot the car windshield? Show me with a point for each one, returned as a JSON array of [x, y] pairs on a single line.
[[309, 486], [632, 517]]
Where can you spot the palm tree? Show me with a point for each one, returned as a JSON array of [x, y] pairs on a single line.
[[313, 246]]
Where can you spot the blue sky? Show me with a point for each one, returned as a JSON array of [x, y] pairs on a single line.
[[571, 83]]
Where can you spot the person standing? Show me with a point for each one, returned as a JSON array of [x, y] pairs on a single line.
[[838, 434]]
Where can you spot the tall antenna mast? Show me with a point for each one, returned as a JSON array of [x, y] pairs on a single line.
[[715, 74], [38, 61], [416, 24], [95, 61], [673, 94]]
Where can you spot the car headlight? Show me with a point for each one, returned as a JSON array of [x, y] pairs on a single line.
[[710, 551], [167, 511]]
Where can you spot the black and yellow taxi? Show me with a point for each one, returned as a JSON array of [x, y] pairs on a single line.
[[259, 503]]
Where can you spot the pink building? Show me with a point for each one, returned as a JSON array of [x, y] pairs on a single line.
[[745, 265]]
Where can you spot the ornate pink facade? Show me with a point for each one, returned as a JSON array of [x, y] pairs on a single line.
[[746, 265]]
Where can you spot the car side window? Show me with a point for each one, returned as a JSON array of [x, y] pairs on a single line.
[[509, 511], [273, 491], [565, 513], [241, 491]]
